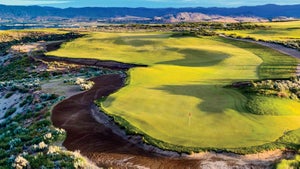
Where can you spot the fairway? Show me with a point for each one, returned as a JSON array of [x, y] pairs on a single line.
[[281, 31], [180, 98]]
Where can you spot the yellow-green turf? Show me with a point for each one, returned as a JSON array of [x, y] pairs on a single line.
[[42, 30], [180, 98], [275, 31]]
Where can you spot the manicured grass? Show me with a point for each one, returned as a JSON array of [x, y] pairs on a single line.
[[180, 98], [277, 31], [275, 65]]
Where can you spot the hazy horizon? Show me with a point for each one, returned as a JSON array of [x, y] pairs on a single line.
[[145, 3]]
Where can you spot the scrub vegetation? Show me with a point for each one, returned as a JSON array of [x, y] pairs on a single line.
[[27, 137]]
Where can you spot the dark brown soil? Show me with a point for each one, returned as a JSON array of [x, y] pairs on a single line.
[[53, 45], [90, 62]]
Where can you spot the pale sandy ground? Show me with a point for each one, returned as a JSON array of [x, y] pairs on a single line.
[[4, 58], [31, 47], [54, 86], [26, 48], [6, 103], [57, 86]]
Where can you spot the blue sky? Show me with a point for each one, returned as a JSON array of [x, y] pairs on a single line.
[[147, 3]]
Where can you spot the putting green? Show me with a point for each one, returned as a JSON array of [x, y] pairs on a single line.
[[180, 99]]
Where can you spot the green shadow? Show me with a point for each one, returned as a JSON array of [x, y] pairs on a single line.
[[135, 42], [215, 99], [196, 58], [275, 64]]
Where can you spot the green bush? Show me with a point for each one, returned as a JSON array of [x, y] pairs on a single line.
[[8, 95], [10, 112], [23, 103], [289, 164]]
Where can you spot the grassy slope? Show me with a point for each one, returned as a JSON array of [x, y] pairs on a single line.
[[278, 31], [275, 64], [185, 77]]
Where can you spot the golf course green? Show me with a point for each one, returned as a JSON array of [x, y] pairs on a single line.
[[179, 100]]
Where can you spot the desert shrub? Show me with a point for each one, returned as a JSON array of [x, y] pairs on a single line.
[[289, 164], [23, 90], [283, 94], [23, 103], [87, 85], [20, 163], [47, 96], [16, 69], [29, 99], [41, 124], [10, 112], [284, 88], [14, 142], [15, 139], [14, 88], [39, 107], [3, 153], [80, 81], [84, 84], [293, 96], [41, 161], [20, 130], [8, 95], [44, 75]]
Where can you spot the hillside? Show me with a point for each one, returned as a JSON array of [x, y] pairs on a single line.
[[145, 14]]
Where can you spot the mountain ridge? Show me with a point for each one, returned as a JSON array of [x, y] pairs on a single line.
[[268, 11]]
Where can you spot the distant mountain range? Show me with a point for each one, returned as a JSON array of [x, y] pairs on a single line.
[[148, 14]]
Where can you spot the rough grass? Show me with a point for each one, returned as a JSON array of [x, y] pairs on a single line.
[[289, 164], [179, 100], [263, 105]]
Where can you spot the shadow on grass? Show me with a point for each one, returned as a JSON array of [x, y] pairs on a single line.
[[275, 64], [136, 42], [196, 58], [264, 32], [215, 99]]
